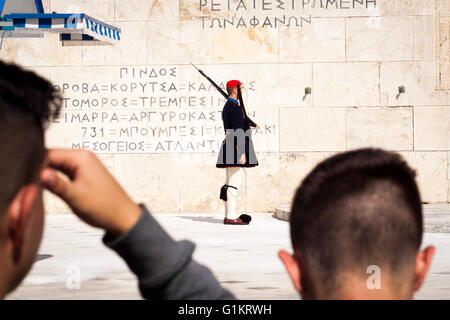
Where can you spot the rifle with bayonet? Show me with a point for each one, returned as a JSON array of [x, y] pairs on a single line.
[[248, 122]]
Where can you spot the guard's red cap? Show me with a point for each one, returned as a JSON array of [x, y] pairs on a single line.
[[233, 84]]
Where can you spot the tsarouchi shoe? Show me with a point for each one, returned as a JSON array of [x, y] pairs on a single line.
[[242, 220]]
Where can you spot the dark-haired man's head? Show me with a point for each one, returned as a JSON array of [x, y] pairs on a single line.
[[356, 229], [27, 104]]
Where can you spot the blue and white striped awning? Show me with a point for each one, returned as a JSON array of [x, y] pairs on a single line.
[[6, 25], [72, 27]]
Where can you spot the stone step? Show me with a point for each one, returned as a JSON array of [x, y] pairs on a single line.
[[437, 216]]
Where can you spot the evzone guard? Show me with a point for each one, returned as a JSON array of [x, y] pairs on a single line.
[[237, 151]]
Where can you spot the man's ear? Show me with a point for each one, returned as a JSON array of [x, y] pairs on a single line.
[[292, 268], [18, 217], [423, 263]]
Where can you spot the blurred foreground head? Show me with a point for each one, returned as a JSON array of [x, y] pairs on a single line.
[[356, 229], [27, 104]]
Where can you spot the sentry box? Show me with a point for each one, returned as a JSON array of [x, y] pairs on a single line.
[[26, 19]]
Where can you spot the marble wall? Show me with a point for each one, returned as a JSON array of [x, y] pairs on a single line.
[[155, 122]]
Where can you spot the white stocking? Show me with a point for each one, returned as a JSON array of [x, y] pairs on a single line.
[[234, 179]]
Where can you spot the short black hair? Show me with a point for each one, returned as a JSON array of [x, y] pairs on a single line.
[[27, 104], [356, 209]]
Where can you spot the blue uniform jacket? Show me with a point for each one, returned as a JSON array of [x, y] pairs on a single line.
[[233, 119]]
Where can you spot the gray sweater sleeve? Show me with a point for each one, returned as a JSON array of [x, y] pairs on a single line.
[[164, 267]]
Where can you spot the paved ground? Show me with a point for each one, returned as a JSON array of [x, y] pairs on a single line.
[[437, 216], [244, 258]]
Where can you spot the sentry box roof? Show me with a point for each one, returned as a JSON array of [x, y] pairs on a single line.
[[26, 19]]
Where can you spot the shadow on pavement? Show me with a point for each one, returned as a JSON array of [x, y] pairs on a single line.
[[204, 219], [40, 257]]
